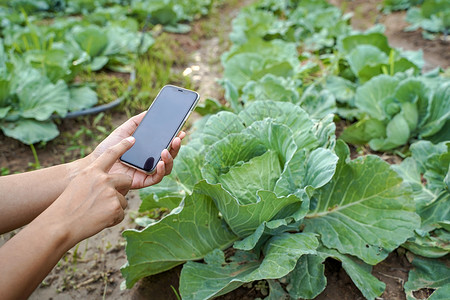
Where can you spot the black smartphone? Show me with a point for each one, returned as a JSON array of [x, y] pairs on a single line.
[[161, 124]]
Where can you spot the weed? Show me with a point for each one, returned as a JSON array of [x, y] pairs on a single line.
[[105, 281], [175, 292], [89, 135], [108, 246], [4, 171], [108, 85], [75, 255], [262, 287], [36, 164]]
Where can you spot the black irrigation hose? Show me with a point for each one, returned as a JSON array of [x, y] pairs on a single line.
[[100, 108]]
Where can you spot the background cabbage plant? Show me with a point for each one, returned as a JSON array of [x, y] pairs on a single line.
[[397, 109]]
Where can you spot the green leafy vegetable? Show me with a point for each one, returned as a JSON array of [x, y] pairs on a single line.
[[267, 174], [345, 214], [158, 247], [30, 131], [433, 16], [430, 274], [398, 110], [429, 163], [213, 279]]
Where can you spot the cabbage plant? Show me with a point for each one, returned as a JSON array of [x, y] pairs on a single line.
[[432, 16], [275, 188], [397, 109]]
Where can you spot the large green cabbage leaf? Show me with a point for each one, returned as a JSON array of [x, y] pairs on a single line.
[[308, 280], [187, 233], [365, 210], [369, 55], [216, 277], [426, 171], [29, 131], [428, 274], [275, 187]]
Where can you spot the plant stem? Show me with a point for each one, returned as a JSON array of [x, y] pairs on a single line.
[[175, 292], [37, 164]]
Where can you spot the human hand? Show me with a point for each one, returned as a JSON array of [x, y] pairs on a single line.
[[95, 198], [140, 179]]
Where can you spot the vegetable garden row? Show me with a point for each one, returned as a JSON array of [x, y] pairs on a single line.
[[46, 45], [264, 189], [266, 179]]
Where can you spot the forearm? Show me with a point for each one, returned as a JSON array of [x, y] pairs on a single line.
[[24, 196], [89, 203], [30, 255]]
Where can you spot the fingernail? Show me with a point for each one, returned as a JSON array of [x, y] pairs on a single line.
[[130, 139]]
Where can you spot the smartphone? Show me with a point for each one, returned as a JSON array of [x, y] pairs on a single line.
[[161, 124]]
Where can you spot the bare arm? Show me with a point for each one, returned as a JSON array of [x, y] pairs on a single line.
[[90, 203], [24, 196]]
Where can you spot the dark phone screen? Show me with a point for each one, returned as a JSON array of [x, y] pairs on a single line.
[[159, 127]]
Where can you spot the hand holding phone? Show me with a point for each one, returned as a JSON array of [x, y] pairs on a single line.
[[164, 119]]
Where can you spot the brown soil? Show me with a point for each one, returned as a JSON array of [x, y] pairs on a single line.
[[92, 271], [436, 52]]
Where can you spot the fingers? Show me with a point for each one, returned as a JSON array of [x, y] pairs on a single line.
[[176, 144], [168, 161], [175, 147], [157, 176], [121, 182], [123, 201], [137, 119], [168, 156], [112, 154]]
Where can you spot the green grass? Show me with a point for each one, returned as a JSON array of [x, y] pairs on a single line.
[[108, 85], [156, 68]]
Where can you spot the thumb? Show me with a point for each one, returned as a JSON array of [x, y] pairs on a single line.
[[112, 154]]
